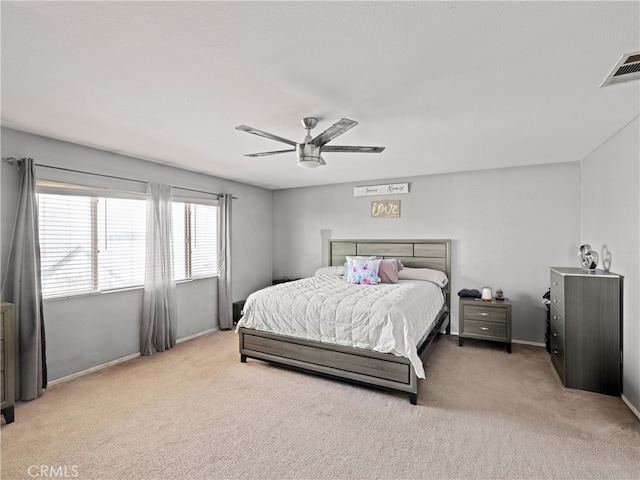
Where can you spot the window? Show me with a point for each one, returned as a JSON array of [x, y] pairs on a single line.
[[195, 227], [90, 244], [96, 243]]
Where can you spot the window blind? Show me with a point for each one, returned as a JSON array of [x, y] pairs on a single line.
[[93, 240], [195, 228], [90, 244], [204, 230]]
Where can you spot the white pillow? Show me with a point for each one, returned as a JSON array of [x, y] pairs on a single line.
[[338, 270], [364, 271], [348, 266], [428, 274]]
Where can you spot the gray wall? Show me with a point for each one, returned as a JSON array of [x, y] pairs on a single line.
[[507, 227], [84, 332], [611, 225]]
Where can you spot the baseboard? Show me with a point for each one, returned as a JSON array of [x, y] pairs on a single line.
[[630, 405], [196, 335], [120, 360], [523, 342], [93, 369]]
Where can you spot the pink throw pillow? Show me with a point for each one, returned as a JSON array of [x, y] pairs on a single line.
[[388, 270]]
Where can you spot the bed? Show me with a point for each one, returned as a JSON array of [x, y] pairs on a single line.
[[396, 370]]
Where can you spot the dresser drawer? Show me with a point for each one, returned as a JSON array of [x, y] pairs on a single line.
[[557, 347], [557, 283], [489, 330], [557, 303], [557, 291], [484, 313], [557, 317]]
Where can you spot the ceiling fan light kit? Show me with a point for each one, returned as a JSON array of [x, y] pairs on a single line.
[[309, 150], [309, 155]]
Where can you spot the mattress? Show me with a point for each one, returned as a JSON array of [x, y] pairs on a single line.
[[386, 318]]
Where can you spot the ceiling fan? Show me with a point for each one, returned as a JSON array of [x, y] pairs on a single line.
[[309, 150]]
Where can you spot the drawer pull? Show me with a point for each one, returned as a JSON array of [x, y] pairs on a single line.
[[556, 352], [484, 314], [484, 328], [555, 334], [555, 283], [555, 317], [555, 301]]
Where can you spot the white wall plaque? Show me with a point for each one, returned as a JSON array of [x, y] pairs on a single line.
[[391, 189], [385, 209]]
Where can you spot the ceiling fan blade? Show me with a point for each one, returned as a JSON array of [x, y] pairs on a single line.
[[260, 133], [333, 131], [336, 148], [264, 154]]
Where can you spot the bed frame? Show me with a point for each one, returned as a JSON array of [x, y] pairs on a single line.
[[381, 370]]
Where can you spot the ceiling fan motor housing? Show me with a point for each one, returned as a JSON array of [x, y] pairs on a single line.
[[309, 155]]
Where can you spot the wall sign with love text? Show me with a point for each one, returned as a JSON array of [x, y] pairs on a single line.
[[385, 209]]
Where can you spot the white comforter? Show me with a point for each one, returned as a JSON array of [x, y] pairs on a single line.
[[388, 318]]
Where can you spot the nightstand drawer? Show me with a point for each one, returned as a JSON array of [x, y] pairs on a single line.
[[485, 313], [491, 330]]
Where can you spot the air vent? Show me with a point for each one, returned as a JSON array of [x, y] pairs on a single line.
[[627, 69]]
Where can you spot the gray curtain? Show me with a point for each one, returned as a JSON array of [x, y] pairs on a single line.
[[159, 310], [22, 286], [225, 317]]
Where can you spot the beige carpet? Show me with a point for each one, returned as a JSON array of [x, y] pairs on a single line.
[[196, 412]]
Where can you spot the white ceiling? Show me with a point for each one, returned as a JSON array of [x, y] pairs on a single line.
[[444, 86]]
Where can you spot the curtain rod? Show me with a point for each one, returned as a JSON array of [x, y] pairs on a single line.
[[15, 161]]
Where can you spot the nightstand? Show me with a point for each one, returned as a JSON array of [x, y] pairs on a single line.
[[278, 281], [483, 320], [237, 310]]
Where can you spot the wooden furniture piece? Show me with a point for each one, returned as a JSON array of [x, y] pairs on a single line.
[[547, 333], [484, 320], [237, 310], [586, 326], [278, 281], [381, 370], [7, 359]]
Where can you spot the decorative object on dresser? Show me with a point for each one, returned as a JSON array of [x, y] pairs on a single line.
[[470, 293], [586, 326], [485, 320], [487, 296], [7, 366], [588, 258]]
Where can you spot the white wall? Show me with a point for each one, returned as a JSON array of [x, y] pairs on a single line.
[[507, 226], [611, 225], [85, 332]]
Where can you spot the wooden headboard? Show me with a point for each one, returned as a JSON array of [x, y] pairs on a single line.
[[429, 253]]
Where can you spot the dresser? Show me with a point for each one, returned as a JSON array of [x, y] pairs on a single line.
[[7, 359], [585, 329], [483, 320]]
